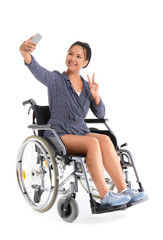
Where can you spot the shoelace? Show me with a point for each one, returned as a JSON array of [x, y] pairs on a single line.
[[133, 192], [114, 194]]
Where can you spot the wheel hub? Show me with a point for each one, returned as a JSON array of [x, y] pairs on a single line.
[[38, 173]]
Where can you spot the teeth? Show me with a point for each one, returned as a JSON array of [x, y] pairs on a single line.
[[72, 64]]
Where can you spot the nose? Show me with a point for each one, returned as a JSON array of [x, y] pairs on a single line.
[[73, 58]]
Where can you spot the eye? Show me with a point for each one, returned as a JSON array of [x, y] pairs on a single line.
[[78, 56], [69, 53]]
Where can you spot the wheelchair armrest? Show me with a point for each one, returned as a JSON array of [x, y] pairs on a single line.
[[40, 127], [52, 128], [98, 120]]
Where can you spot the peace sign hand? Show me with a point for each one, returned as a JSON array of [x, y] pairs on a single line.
[[94, 89]]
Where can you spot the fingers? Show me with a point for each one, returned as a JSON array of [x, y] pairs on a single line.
[[31, 43], [91, 83], [94, 87], [31, 38], [31, 46], [28, 46], [93, 78], [89, 80]]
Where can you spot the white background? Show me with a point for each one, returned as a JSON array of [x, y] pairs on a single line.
[[127, 44]]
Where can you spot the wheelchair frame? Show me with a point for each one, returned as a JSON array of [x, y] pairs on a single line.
[[79, 169]]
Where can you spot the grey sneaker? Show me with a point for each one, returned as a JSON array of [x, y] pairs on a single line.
[[134, 194], [112, 199]]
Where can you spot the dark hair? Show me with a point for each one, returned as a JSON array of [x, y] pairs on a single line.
[[86, 47]]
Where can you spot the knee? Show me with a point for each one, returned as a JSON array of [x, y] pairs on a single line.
[[93, 152], [105, 140], [93, 143]]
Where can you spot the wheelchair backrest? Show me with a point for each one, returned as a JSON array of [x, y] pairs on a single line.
[[41, 114]]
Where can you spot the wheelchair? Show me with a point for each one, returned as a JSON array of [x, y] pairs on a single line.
[[42, 162]]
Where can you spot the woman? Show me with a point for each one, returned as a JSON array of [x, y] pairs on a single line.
[[70, 98]]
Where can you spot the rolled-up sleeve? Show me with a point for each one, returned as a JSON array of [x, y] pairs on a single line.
[[98, 110], [40, 73]]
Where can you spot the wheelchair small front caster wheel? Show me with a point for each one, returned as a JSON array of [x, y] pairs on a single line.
[[72, 209]]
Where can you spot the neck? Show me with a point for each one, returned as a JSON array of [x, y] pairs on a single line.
[[71, 74]]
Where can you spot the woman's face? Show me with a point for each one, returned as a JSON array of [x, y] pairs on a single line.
[[76, 58]]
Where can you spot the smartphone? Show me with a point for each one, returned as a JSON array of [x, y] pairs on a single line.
[[36, 38]]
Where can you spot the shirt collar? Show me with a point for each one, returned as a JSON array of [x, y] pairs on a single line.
[[67, 77]]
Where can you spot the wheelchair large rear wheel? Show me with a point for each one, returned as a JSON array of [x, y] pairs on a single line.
[[37, 173]]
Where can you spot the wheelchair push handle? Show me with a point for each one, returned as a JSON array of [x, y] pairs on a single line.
[[30, 101]]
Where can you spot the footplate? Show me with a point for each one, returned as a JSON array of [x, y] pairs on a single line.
[[97, 208]]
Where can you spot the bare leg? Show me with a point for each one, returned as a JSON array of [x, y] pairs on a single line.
[[90, 147], [110, 160]]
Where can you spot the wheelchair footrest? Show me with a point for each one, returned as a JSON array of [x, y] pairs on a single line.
[[97, 208], [135, 203]]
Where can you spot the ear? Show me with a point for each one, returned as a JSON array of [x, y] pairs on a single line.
[[85, 63]]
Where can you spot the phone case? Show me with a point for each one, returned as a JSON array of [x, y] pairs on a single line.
[[36, 38]]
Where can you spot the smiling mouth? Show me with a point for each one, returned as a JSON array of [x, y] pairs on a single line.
[[71, 64]]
